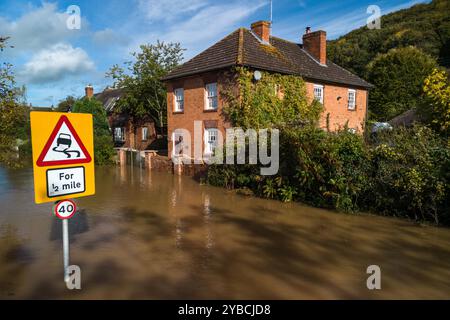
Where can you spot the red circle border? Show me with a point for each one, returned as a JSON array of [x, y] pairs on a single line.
[[73, 213]]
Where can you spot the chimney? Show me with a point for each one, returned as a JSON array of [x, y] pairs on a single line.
[[262, 30], [316, 44], [89, 91]]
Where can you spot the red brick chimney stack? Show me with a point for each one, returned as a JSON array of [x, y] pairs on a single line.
[[262, 30], [89, 90], [316, 44]]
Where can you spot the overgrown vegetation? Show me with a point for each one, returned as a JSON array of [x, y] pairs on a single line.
[[277, 100], [425, 26], [405, 172], [14, 120], [398, 78], [398, 57], [436, 103]]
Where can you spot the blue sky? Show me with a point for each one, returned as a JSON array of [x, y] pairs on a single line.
[[54, 61]]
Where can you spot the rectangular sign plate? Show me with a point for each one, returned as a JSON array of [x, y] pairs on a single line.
[[62, 182]]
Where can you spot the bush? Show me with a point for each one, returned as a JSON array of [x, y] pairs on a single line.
[[398, 78], [409, 175], [436, 105], [406, 173]]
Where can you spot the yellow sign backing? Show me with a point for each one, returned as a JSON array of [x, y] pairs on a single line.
[[63, 155]]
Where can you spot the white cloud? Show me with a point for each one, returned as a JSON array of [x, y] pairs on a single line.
[[56, 63], [157, 10], [38, 28]]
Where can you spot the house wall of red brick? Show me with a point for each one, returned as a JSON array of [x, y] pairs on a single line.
[[337, 109], [133, 133], [194, 106]]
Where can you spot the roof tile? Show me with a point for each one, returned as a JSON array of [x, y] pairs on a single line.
[[243, 48]]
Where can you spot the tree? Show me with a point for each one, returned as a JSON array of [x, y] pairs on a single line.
[[398, 78], [425, 26], [13, 114], [144, 93], [103, 145], [7, 81], [66, 104], [436, 107]]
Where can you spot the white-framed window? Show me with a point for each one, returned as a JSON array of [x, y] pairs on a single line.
[[211, 140], [179, 100], [211, 96], [318, 92], [119, 134], [144, 133], [351, 99]]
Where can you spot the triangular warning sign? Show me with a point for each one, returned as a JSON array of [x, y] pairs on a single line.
[[63, 147]]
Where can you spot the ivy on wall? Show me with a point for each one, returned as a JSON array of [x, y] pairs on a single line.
[[274, 101]]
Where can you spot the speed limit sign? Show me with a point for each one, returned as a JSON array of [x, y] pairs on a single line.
[[65, 209]]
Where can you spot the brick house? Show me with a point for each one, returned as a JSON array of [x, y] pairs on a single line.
[[128, 132], [193, 89]]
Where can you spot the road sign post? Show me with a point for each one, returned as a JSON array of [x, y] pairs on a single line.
[[63, 164], [65, 210], [65, 234]]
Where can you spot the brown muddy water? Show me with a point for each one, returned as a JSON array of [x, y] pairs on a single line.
[[148, 235]]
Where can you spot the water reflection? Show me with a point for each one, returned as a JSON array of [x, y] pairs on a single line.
[[77, 224], [154, 235]]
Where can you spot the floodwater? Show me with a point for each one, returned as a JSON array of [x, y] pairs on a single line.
[[148, 235]]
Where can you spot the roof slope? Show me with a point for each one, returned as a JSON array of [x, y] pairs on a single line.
[[406, 119], [243, 48], [109, 97]]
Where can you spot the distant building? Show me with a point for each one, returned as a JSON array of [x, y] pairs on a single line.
[[36, 108], [127, 131], [406, 119]]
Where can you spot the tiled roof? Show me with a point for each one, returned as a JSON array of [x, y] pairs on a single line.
[[243, 48], [109, 97]]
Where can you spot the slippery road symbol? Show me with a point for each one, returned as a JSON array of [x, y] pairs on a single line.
[[63, 144]]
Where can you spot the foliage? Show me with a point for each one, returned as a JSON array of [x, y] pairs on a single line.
[[14, 120], [7, 81], [66, 104], [410, 175], [144, 93], [14, 124], [274, 101], [425, 26], [398, 78], [103, 144], [406, 173], [436, 107]]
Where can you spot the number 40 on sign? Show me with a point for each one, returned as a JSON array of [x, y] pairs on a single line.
[[65, 209]]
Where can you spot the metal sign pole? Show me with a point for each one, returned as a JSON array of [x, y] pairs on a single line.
[[65, 234], [65, 210]]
